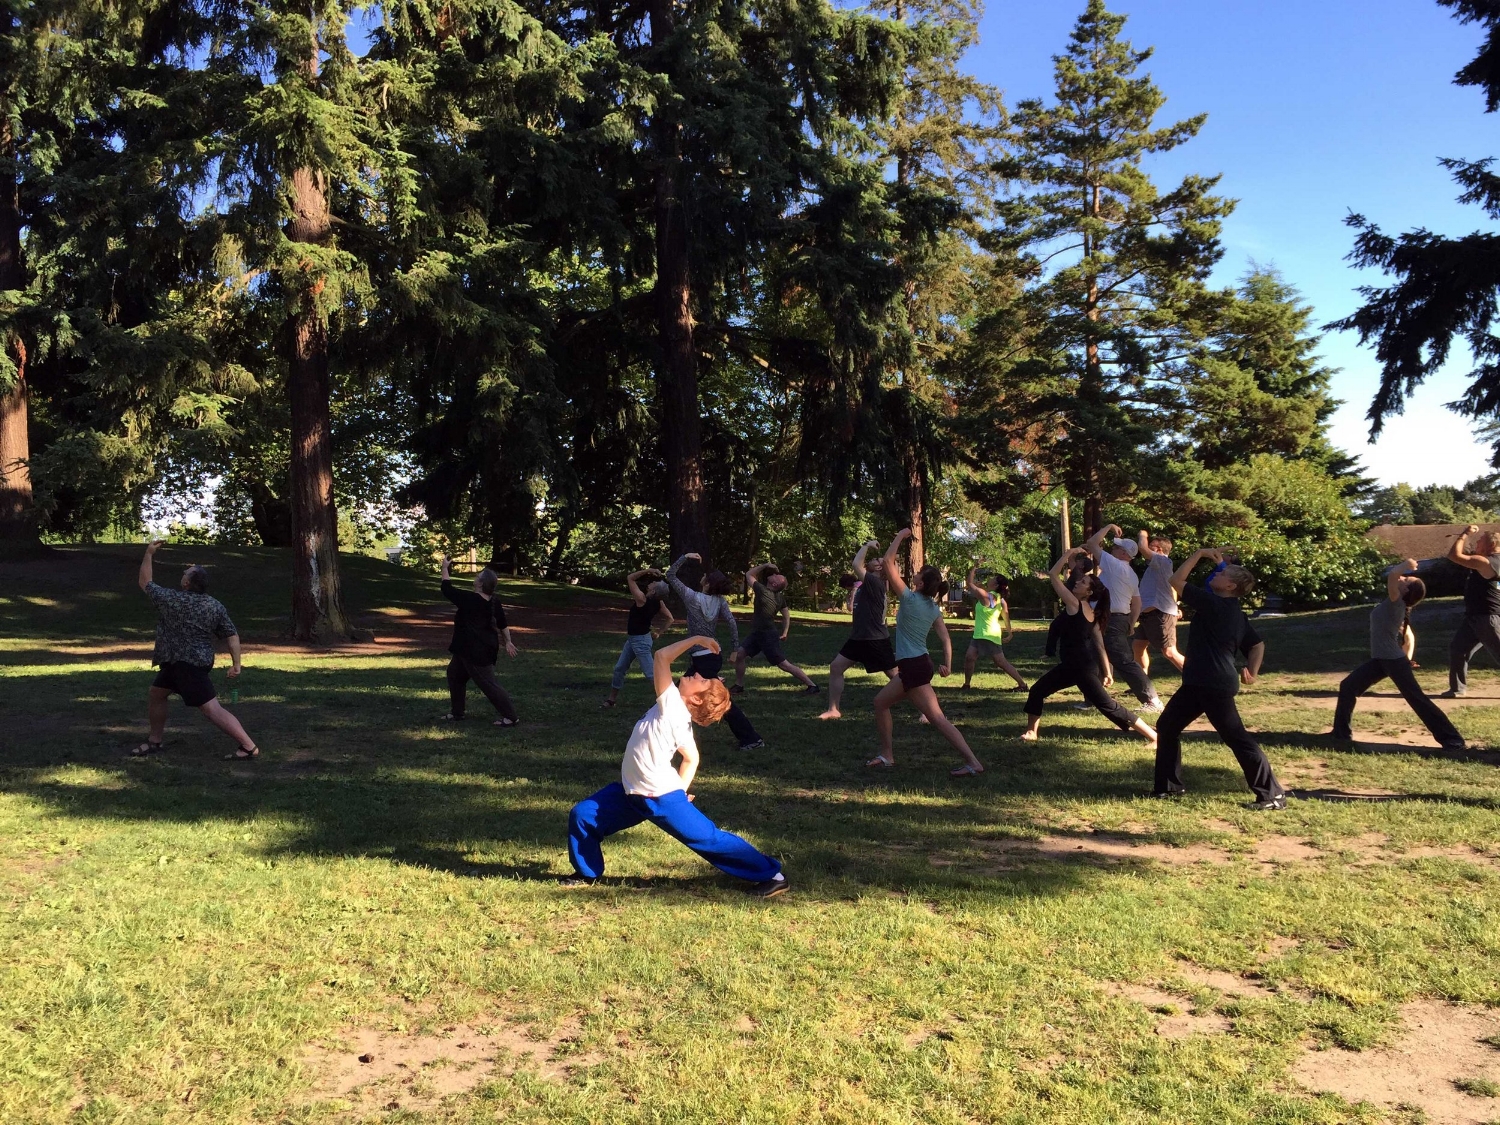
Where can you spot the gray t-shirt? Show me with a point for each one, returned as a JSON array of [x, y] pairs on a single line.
[[1385, 630], [869, 610], [1156, 586]]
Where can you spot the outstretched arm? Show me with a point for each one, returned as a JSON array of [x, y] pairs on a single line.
[[143, 579], [1456, 553], [1059, 587], [677, 584], [859, 559], [1096, 541], [892, 571], [1185, 571], [661, 663], [1395, 574]]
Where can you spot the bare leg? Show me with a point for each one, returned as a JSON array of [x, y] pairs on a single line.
[[156, 713], [1144, 731], [926, 701], [214, 711], [1009, 669], [740, 660], [1033, 724], [1174, 657], [1142, 654], [796, 673], [886, 698], [836, 670], [970, 658]]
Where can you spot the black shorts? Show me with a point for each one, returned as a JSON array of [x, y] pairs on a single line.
[[983, 646], [876, 655], [764, 642], [915, 671], [190, 681]]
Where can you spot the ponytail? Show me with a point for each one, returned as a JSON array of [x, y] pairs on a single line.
[[930, 582]]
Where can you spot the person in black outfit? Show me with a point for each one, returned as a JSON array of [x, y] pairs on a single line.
[[1481, 624], [1219, 631], [478, 627], [1081, 658]]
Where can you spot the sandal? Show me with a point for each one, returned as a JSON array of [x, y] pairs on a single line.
[[880, 763], [966, 771], [507, 722], [243, 755], [608, 703], [145, 749]]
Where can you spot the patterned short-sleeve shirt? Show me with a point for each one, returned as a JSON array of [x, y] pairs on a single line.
[[187, 624]]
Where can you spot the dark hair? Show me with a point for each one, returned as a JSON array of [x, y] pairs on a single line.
[[1002, 583], [197, 579], [1412, 596], [717, 583], [1098, 592], [847, 581], [488, 580], [930, 582]]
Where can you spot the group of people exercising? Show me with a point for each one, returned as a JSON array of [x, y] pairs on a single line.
[[1110, 620]]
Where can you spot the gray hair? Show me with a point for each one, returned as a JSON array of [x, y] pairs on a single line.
[[488, 580], [196, 578]]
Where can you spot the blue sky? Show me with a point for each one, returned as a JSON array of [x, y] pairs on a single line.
[[1315, 108]]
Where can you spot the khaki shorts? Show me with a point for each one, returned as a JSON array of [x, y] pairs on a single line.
[[1157, 629]]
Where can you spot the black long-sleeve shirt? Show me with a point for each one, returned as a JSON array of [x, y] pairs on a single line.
[[476, 625]]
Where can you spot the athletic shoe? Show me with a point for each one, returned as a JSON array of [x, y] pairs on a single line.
[[756, 745], [1275, 804], [1153, 706], [1459, 745], [1083, 706], [770, 888], [1165, 795], [736, 689], [577, 881], [1453, 694], [811, 689]]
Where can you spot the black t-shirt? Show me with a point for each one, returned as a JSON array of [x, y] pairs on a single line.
[[1481, 594], [476, 625], [1220, 631], [869, 610], [641, 616]]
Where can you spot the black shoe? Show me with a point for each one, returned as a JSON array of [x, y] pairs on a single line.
[[1165, 795], [811, 689], [756, 745], [770, 888], [1275, 804], [577, 881], [1340, 736], [1451, 694], [1459, 745], [736, 689]]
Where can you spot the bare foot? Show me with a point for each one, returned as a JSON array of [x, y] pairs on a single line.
[[1028, 736], [832, 713]]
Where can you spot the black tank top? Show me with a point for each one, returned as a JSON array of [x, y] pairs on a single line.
[[640, 617], [1075, 646]]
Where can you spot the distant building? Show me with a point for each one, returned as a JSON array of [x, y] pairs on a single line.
[[1428, 543]]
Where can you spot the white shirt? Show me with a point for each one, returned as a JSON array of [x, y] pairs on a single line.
[[1120, 580], [1156, 586], [647, 770]]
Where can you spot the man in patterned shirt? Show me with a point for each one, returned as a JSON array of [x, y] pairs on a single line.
[[187, 623]]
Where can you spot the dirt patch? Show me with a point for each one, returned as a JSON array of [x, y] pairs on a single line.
[[1441, 1044], [1105, 849], [1376, 847], [1220, 981], [1174, 1020], [387, 1070]]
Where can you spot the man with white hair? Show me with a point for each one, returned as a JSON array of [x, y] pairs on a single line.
[[1124, 610], [764, 638]]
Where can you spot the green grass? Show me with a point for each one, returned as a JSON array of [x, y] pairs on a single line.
[[178, 930], [1478, 1087]]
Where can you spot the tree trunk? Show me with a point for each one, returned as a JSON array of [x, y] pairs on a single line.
[[17, 515], [677, 370], [1092, 390], [916, 507]]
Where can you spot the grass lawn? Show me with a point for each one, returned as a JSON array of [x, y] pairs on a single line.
[[187, 939]]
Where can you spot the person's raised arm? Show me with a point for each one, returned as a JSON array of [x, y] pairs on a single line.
[[1059, 587], [1456, 553], [661, 663], [976, 591], [859, 559], [892, 570], [1185, 571], [1395, 574], [679, 587], [636, 593], [143, 579], [1095, 542], [1251, 671], [1143, 541], [447, 582]]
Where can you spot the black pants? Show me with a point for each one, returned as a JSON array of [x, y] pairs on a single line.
[[1122, 656], [1370, 673], [1476, 632], [708, 665], [1088, 682], [460, 672], [1190, 702]]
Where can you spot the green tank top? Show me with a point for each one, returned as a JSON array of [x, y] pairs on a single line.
[[989, 622]]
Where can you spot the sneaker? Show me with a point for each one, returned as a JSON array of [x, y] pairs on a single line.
[[771, 887], [811, 689], [1083, 706], [736, 689], [1165, 795], [1275, 804], [756, 745], [577, 881], [1153, 706]]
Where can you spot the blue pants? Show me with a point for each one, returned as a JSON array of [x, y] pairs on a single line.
[[637, 649], [613, 810]]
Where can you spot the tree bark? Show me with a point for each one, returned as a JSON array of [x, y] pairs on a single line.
[[1092, 390], [17, 513], [916, 495], [677, 370]]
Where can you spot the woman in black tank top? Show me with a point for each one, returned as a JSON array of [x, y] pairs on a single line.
[[648, 614]]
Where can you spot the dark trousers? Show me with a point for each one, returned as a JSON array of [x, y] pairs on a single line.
[[1476, 632], [1122, 657], [1088, 682], [460, 672], [1190, 702], [613, 810], [1370, 673], [708, 665]]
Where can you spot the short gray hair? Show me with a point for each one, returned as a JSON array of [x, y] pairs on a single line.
[[197, 579], [488, 580]]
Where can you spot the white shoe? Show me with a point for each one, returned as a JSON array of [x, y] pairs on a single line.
[[1153, 707]]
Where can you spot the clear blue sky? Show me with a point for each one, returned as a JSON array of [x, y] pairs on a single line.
[[1315, 108]]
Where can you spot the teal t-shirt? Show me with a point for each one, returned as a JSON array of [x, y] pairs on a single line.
[[915, 615]]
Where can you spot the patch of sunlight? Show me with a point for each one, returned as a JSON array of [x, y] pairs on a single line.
[[35, 599], [30, 671], [85, 777], [91, 699]]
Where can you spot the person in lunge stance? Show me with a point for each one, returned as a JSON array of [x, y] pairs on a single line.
[[648, 617], [1219, 631], [479, 625], [869, 640], [918, 610], [652, 788], [188, 622], [1081, 658], [991, 627], [1157, 626], [1390, 624], [1481, 624], [765, 636], [707, 608], [1124, 610]]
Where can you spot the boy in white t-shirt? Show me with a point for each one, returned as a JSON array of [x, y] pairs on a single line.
[[652, 788]]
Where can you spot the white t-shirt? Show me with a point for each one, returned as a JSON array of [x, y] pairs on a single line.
[[1156, 586], [1120, 580], [647, 770]]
